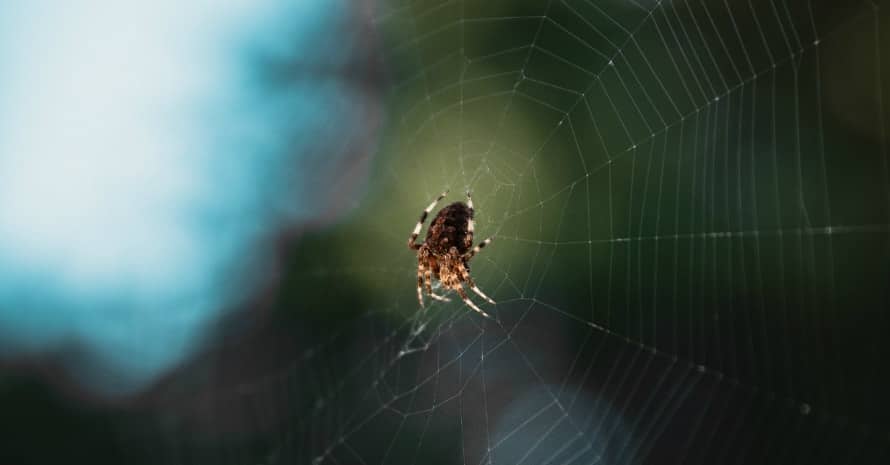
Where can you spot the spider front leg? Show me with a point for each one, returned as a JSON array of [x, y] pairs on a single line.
[[472, 284], [413, 237], [428, 275], [466, 298], [420, 270]]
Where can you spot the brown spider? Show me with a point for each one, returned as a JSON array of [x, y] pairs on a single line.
[[446, 252]]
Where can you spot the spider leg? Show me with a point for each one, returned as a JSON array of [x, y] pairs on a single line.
[[471, 226], [428, 275], [476, 249], [463, 295], [482, 294], [440, 298], [475, 289], [420, 269], [413, 237]]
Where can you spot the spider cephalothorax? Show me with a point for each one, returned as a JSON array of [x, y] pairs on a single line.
[[446, 252]]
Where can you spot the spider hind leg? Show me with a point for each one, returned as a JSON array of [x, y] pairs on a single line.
[[472, 253], [471, 225]]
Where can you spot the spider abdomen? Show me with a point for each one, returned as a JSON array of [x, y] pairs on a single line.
[[449, 229]]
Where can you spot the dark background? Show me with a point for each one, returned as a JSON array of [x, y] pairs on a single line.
[[690, 258]]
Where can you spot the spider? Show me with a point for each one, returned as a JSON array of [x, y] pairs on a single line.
[[446, 252]]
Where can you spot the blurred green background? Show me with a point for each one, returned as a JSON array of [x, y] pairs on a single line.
[[690, 209]]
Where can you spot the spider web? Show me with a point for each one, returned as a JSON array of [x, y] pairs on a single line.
[[690, 208]]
